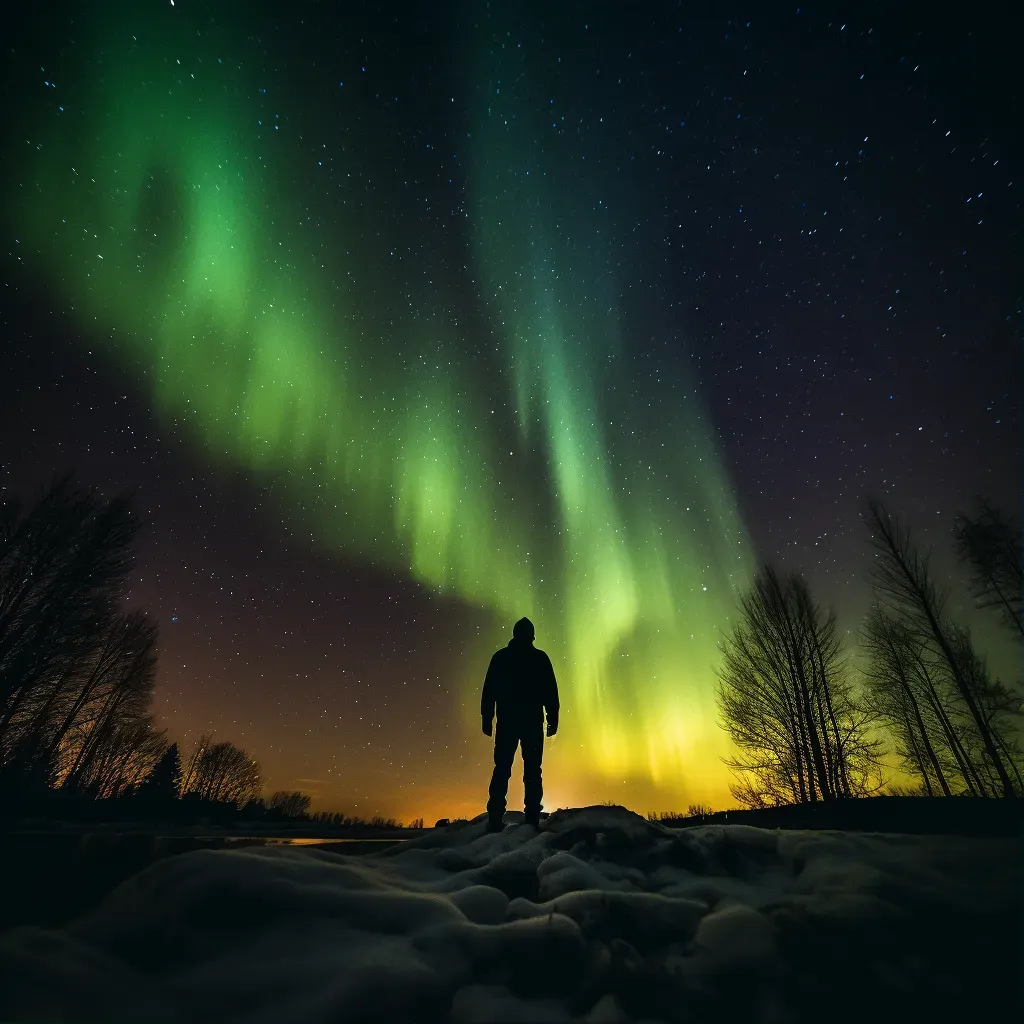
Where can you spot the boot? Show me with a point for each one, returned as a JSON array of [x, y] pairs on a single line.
[[532, 819], [495, 825]]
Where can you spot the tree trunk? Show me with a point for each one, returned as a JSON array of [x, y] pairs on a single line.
[[962, 685], [921, 767], [940, 775], [967, 770]]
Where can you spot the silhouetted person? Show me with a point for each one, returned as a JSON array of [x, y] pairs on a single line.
[[521, 682]]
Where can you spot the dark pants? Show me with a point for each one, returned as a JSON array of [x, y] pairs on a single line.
[[508, 736]]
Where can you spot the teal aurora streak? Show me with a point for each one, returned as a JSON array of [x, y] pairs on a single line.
[[289, 305]]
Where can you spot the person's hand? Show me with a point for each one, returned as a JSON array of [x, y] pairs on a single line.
[[488, 727], [552, 728]]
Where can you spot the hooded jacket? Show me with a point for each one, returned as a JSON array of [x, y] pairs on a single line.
[[521, 682]]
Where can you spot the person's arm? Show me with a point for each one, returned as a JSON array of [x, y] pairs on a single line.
[[487, 698], [550, 697]]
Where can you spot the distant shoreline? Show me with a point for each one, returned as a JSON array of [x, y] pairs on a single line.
[[307, 831], [913, 815], [897, 814]]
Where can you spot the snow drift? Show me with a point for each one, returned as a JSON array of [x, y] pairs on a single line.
[[600, 916]]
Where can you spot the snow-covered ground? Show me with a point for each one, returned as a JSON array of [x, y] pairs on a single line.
[[600, 916]]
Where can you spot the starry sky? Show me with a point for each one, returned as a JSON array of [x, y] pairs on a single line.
[[405, 322]]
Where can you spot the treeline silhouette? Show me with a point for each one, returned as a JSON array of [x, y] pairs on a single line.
[[77, 670], [806, 733], [336, 819], [897, 810], [78, 741]]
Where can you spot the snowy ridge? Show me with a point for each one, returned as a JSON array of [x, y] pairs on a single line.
[[601, 916]]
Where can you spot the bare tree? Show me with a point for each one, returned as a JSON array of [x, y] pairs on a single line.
[[123, 757], [292, 804], [904, 698], [786, 701], [1001, 707], [990, 544], [71, 664], [188, 776], [110, 696], [223, 772], [336, 818], [904, 585], [63, 563]]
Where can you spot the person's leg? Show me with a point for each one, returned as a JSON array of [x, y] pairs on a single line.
[[533, 751], [505, 742]]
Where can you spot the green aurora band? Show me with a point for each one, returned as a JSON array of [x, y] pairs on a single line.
[[531, 461]]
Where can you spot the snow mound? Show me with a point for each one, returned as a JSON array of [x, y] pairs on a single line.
[[600, 916]]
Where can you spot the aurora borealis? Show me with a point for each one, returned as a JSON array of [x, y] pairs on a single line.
[[407, 277]]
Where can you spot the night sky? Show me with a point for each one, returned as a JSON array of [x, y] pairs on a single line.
[[406, 321]]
